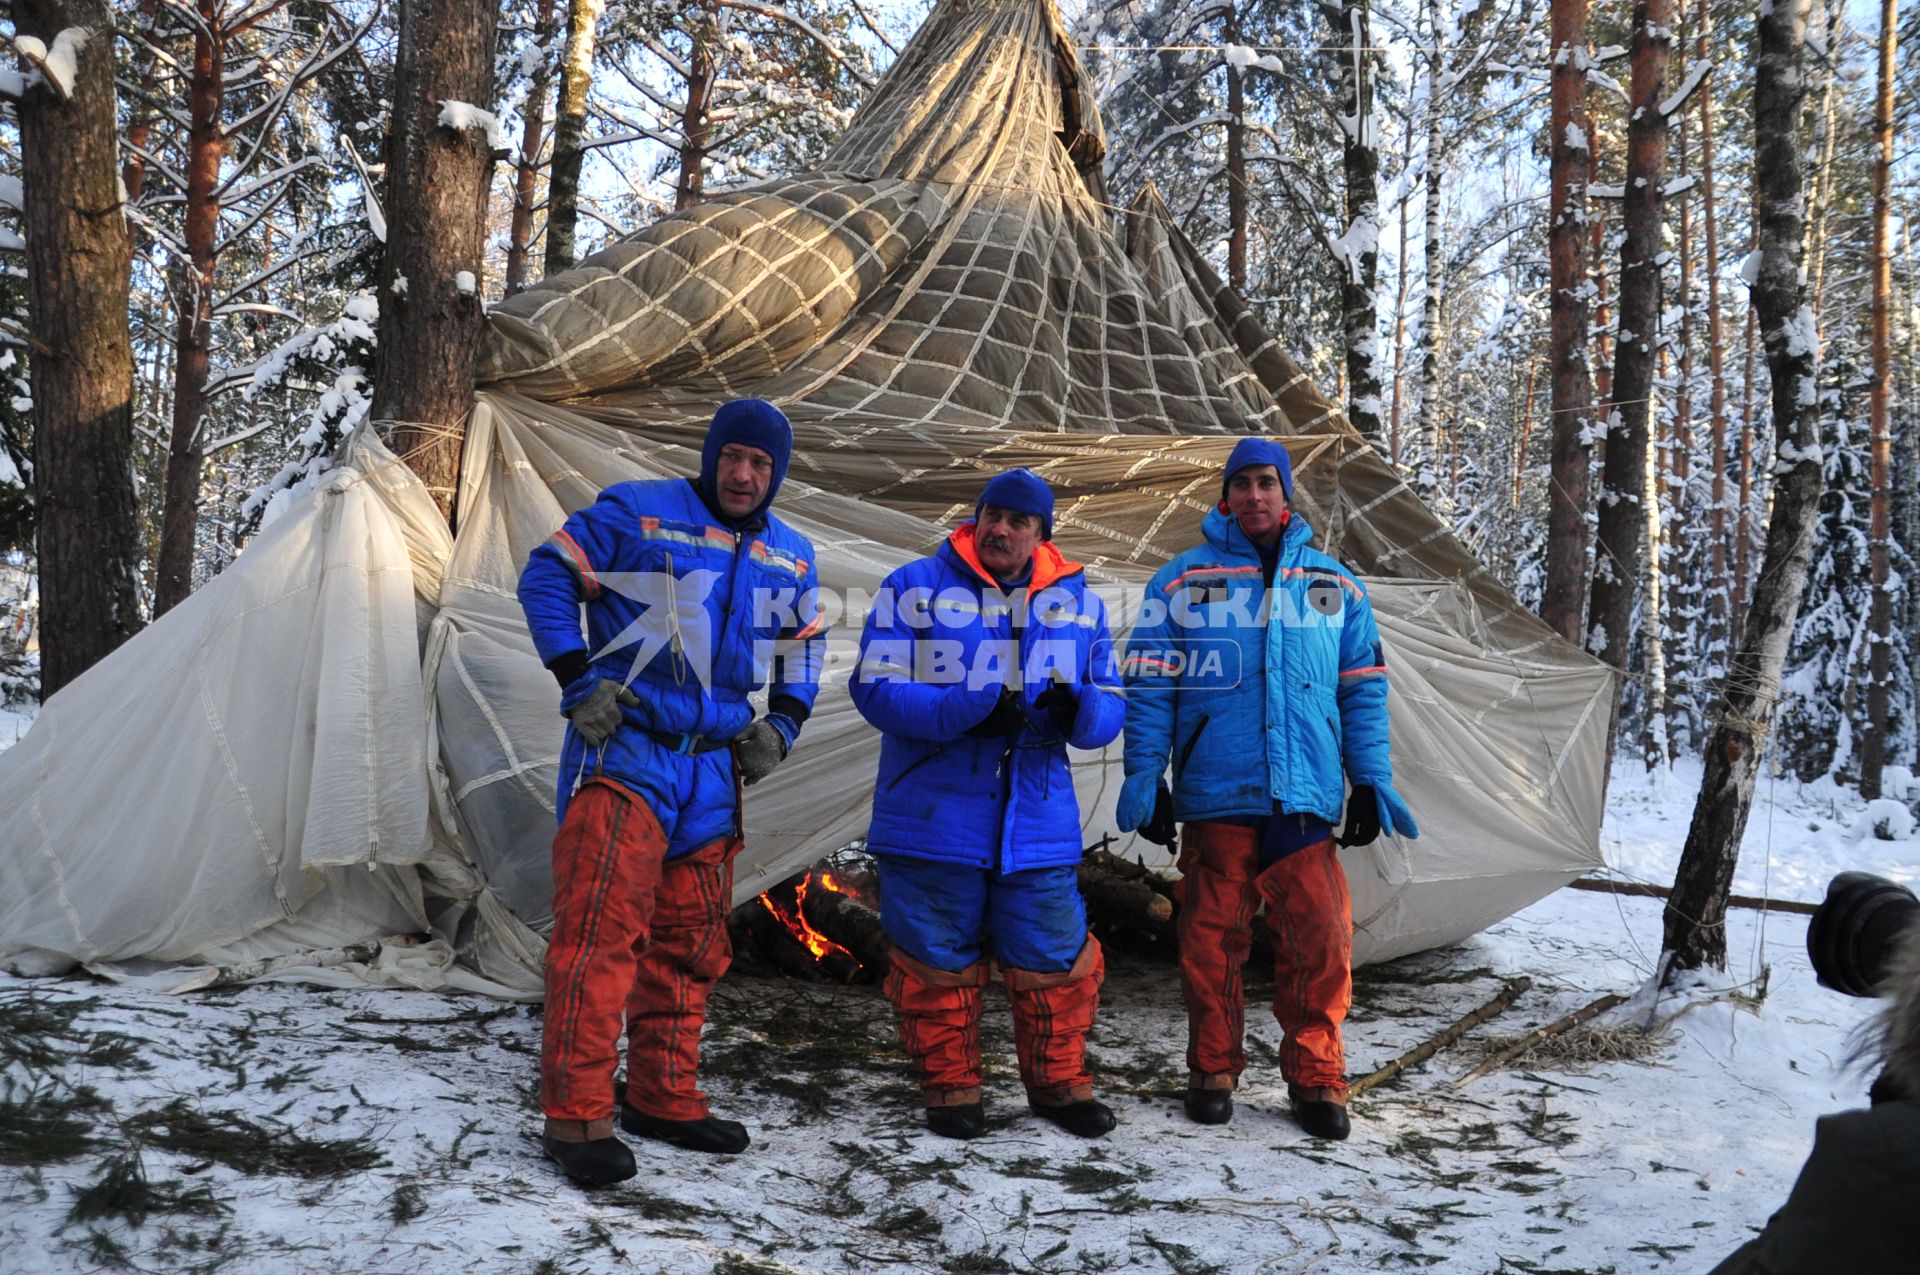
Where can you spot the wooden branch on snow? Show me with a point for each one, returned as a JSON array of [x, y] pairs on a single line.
[[1590, 1010], [1501, 1002]]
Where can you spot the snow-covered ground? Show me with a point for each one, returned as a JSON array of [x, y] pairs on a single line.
[[287, 1129]]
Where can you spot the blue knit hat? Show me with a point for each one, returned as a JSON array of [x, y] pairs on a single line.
[[1259, 451], [1021, 490], [755, 423]]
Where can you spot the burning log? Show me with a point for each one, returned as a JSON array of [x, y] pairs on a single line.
[[810, 927], [850, 925]]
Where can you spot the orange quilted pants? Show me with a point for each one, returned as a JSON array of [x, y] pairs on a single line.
[[939, 1026], [1310, 916], [634, 934], [1052, 1014]]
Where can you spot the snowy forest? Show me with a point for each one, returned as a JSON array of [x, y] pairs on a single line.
[[1527, 275], [1620, 293]]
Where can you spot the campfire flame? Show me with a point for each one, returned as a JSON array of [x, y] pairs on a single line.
[[796, 920]]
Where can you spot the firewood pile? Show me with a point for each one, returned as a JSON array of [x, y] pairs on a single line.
[[823, 924]]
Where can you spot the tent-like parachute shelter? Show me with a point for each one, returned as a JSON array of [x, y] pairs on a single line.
[[336, 760]]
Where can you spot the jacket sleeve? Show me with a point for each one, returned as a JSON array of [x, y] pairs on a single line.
[[562, 573], [800, 653], [1103, 703], [883, 685], [1362, 695], [1151, 681]]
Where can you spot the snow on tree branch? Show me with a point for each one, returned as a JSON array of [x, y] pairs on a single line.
[[57, 65], [1679, 97], [464, 116]]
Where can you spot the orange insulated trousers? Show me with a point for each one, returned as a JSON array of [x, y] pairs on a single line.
[[634, 934], [1310, 916]]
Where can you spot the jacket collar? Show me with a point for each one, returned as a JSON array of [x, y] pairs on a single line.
[[1223, 533], [1050, 566]]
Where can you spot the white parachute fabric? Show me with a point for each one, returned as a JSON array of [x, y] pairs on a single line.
[[338, 759], [253, 765]]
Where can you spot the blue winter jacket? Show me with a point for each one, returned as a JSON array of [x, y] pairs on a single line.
[[694, 617], [935, 653], [1221, 685]]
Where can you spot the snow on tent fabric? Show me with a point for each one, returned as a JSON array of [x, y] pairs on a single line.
[[359, 742]]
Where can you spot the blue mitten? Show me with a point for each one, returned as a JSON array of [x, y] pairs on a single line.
[[1395, 819], [1137, 796]]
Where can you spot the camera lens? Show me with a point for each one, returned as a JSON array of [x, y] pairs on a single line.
[[1854, 931]]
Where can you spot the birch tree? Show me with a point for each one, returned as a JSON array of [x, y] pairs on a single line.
[[1695, 920]]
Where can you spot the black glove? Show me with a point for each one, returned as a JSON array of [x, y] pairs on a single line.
[[758, 749], [1363, 818], [1160, 829], [598, 715], [1008, 715], [1061, 703]]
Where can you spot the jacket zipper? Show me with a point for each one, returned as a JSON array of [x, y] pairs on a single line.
[[1192, 739]]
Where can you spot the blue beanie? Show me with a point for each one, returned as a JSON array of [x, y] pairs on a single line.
[[753, 422], [1259, 451], [1021, 490]]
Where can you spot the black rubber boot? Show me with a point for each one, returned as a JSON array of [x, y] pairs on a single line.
[[1209, 1106], [1089, 1118], [597, 1162], [968, 1120], [1320, 1117], [712, 1135]]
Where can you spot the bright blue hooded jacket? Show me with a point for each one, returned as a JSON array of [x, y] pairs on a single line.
[[694, 617], [1254, 708], [935, 653]]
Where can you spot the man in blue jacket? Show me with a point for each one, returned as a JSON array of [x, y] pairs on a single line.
[[1257, 668], [980, 665], [695, 596]]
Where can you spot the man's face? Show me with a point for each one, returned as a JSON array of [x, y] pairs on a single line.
[[1255, 497], [1005, 539], [741, 479]]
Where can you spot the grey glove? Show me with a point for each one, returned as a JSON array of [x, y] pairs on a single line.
[[598, 715], [758, 749]]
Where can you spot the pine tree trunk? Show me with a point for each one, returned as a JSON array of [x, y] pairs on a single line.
[[1908, 445], [133, 169], [437, 201], [526, 178], [1526, 433], [193, 310], [1620, 544], [1399, 339], [1602, 333], [1718, 585], [695, 128], [1360, 162], [1873, 738], [1655, 617], [87, 533], [1695, 930], [1825, 136], [1572, 391], [570, 132], [1680, 610]]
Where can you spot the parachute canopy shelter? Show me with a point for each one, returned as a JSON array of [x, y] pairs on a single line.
[[336, 761]]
